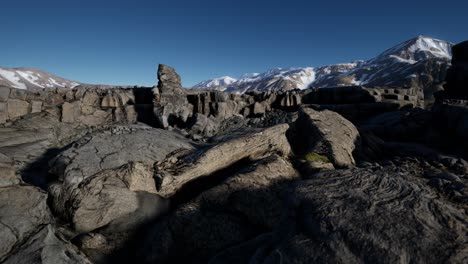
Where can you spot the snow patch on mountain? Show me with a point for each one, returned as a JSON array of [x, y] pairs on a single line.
[[32, 79], [13, 78]]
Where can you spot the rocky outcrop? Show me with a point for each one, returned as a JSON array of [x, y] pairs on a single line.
[[28, 139], [443, 127], [326, 134], [170, 104], [229, 213], [201, 126], [451, 122], [119, 200], [47, 247], [404, 125], [457, 76], [27, 230], [177, 171], [23, 212], [108, 177], [360, 215], [90, 107]]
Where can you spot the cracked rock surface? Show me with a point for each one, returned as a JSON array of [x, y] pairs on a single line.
[[108, 176]]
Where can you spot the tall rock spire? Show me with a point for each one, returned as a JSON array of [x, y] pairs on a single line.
[[170, 101]]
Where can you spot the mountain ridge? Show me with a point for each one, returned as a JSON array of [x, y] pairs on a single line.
[[418, 61], [29, 78]]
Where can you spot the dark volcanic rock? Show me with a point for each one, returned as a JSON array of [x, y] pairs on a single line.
[[456, 86], [231, 212], [23, 211], [385, 215], [108, 177], [402, 125], [452, 123], [48, 248], [26, 229]]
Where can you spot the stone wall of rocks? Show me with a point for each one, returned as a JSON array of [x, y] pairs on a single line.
[[413, 97], [169, 105], [82, 105]]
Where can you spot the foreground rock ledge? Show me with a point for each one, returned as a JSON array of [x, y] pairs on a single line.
[[201, 164], [360, 216]]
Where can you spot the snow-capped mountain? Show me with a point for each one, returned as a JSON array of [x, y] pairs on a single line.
[[420, 61], [285, 78], [32, 79], [220, 83], [417, 49]]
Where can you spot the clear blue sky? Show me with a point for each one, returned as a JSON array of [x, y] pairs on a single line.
[[122, 42]]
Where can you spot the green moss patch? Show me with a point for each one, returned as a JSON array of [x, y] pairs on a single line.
[[312, 156]]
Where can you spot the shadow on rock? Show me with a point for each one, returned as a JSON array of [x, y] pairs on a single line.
[[244, 201], [37, 172]]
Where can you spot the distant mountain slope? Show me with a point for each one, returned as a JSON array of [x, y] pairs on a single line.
[[421, 61], [32, 79], [219, 83]]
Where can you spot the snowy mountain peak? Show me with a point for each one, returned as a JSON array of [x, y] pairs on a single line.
[[417, 49], [32, 79], [292, 78]]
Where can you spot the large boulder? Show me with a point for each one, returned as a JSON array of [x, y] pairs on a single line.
[[120, 199], [108, 177], [326, 134], [114, 147], [202, 126]]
